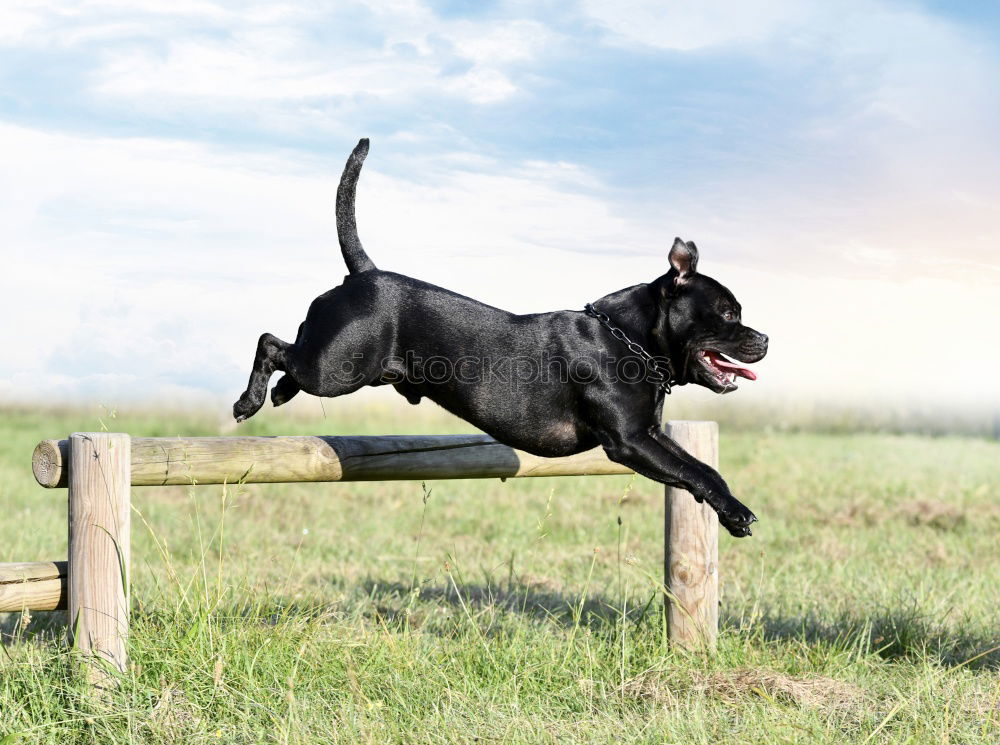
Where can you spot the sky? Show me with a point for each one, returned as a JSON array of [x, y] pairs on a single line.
[[168, 172]]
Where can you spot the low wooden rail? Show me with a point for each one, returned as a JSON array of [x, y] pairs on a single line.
[[99, 469], [33, 585], [161, 461]]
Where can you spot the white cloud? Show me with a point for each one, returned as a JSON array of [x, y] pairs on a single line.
[[688, 26], [500, 41], [15, 24], [163, 56], [282, 65]]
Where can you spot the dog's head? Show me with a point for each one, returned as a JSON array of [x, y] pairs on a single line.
[[701, 325]]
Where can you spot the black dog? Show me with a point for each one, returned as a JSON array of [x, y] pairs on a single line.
[[381, 328]]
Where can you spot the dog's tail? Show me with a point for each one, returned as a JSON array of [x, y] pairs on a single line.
[[347, 228]]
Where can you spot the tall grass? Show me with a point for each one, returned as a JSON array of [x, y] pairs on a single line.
[[862, 610]]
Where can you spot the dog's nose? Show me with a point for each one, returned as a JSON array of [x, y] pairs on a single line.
[[763, 340]]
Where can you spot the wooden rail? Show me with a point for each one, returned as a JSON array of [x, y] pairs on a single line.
[[33, 585], [99, 470], [161, 461]]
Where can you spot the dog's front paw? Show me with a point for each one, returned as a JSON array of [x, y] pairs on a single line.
[[737, 519]]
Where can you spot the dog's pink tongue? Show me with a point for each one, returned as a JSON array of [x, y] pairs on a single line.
[[743, 372]]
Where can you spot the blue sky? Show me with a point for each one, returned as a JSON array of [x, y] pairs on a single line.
[[169, 169]]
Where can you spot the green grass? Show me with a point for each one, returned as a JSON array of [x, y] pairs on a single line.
[[480, 611]]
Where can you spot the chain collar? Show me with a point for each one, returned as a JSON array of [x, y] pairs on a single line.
[[662, 375]]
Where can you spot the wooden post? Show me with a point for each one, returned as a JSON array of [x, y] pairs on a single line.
[[99, 528], [691, 547]]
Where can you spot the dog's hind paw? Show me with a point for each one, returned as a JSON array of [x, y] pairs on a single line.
[[244, 409], [284, 390]]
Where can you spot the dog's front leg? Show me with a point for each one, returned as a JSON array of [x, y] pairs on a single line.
[[654, 455]]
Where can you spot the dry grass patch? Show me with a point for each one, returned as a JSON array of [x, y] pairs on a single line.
[[984, 705], [174, 715], [811, 691], [933, 513]]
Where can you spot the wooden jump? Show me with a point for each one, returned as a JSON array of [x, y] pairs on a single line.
[[99, 469], [162, 461]]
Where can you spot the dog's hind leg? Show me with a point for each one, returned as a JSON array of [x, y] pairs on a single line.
[[287, 386], [284, 390], [271, 355]]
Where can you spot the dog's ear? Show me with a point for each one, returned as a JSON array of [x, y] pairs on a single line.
[[684, 259]]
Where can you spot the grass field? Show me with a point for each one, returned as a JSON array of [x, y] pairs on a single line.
[[862, 610]]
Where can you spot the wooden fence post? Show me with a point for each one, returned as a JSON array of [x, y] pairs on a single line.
[[99, 530], [691, 547]]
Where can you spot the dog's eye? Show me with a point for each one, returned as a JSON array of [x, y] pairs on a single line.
[[729, 315]]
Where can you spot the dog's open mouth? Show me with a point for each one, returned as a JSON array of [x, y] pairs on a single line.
[[722, 368]]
